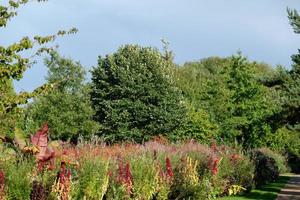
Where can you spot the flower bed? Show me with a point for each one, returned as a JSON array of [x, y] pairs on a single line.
[[155, 170]]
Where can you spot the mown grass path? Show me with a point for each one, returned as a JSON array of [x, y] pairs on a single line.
[[291, 191], [268, 192]]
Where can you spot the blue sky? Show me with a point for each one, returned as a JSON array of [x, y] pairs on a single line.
[[195, 29]]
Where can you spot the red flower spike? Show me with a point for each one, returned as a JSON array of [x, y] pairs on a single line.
[[2, 184], [215, 166], [169, 167], [2, 178], [128, 178]]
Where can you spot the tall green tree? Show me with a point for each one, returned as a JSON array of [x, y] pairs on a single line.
[[12, 66], [195, 79], [287, 84], [291, 85], [66, 108], [228, 95], [133, 95], [248, 107]]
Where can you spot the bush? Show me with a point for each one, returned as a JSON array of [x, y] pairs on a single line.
[[237, 169], [294, 162], [281, 161], [266, 167]]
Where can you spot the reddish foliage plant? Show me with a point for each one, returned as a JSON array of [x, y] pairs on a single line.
[[125, 176], [64, 182], [46, 155], [169, 168], [214, 165]]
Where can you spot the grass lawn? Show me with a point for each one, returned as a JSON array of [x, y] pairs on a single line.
[[268, 192]]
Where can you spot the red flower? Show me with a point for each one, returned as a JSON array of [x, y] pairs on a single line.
[[213, 165], [169, 168], [2, 178], [215, 171], [2, 184], [124, 176], [128, 177]]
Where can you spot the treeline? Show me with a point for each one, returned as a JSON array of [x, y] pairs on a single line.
[[138, 93]]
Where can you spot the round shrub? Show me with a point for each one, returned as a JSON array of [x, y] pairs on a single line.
[[266, 168], [280, 160], [293, 162]]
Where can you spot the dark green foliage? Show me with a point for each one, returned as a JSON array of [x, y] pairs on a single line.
[[133, 95], [294, 20], [266, 169], [293, 161], [286, 83], [66, 107]]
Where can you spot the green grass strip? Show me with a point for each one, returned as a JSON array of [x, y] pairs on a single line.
[[267, 192]]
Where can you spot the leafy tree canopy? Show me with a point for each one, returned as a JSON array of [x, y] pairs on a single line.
[[133, 95], [67, 108]]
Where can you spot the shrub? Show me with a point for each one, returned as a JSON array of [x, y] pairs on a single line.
[[293, 161], [237, 169], [281, 161], [266, 168]]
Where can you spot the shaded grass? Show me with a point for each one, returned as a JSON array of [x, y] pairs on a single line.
[[267, 192]]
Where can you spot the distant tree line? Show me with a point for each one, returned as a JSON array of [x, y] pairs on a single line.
[[138, 93]]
